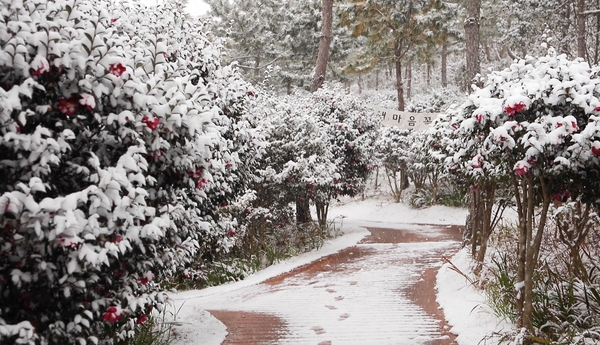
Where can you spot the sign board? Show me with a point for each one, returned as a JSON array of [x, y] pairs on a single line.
[[403, 119]]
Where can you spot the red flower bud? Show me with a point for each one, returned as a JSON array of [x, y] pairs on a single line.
[[117, 69]]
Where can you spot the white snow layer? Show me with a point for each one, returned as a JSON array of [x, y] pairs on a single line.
[[464, 306]]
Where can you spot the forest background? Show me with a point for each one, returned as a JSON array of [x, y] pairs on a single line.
[[143, 150]]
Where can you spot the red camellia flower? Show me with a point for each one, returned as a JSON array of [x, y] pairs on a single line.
[[111, 315], [562, 196], [117, 69], [196, 174], [201, 184], [597, 108], [144, 281], [43, 68], [232, 233], [521, 169], [479, 118], [516, 108], [114, 20], [596, 148], [143, 318], [476, 164], [151, 123], [68, 106]]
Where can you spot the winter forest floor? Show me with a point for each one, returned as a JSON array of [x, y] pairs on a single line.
[[378, 283]]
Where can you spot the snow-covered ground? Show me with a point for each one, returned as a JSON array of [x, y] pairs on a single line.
[[464, 307]]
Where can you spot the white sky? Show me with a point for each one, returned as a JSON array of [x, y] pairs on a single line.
[[195, 7]]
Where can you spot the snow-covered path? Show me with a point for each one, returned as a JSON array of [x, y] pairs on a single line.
[[373, 294], [363, 295]]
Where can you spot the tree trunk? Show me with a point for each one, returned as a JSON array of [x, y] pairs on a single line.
[[257, 68], [428, 74], [376, 79], [472, 41], [529, 243], [487, 225], [475, 220], [391, 178], [322, 211], [444, 65], [360, 84], [399, 87], [408, 79], [581, 49], [303, 210], [520, 195], [324, 43], [597, 41]]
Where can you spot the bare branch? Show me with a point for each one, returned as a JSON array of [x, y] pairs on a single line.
[[263, 66], [590, 12]]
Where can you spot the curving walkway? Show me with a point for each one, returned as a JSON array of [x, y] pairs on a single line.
[[380, 291]]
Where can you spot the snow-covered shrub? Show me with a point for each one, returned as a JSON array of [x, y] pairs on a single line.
[[318, 148], [392, 152], [534, 127], [434, 101], [386, 98], [352, 130], [118, 132]]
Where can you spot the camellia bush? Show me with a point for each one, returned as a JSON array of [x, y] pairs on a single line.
[[320, 148], [120, 131], [533, 127]]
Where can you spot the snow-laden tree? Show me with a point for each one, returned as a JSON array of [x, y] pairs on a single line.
[[119, 130], [286, 46], [393, 29], [352, 131], [536, 124], [392, 152], [319, 148]]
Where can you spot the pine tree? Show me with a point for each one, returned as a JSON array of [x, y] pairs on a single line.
[[393, 29]]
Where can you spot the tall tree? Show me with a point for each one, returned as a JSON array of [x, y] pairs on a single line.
[[392, 29], [581, 49], [324, 43], [472, 40], [286, 43]]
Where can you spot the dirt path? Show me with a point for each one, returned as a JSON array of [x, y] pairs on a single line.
[[381, 291]]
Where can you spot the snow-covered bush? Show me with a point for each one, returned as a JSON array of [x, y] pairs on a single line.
[[392, 152], [534, 127], [119, 131], [434, 100], [319, 148]]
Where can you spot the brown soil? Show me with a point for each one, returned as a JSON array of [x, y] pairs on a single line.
[[422, 292], [247, 328], [330, 263], [381, 235], [259, 329]]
